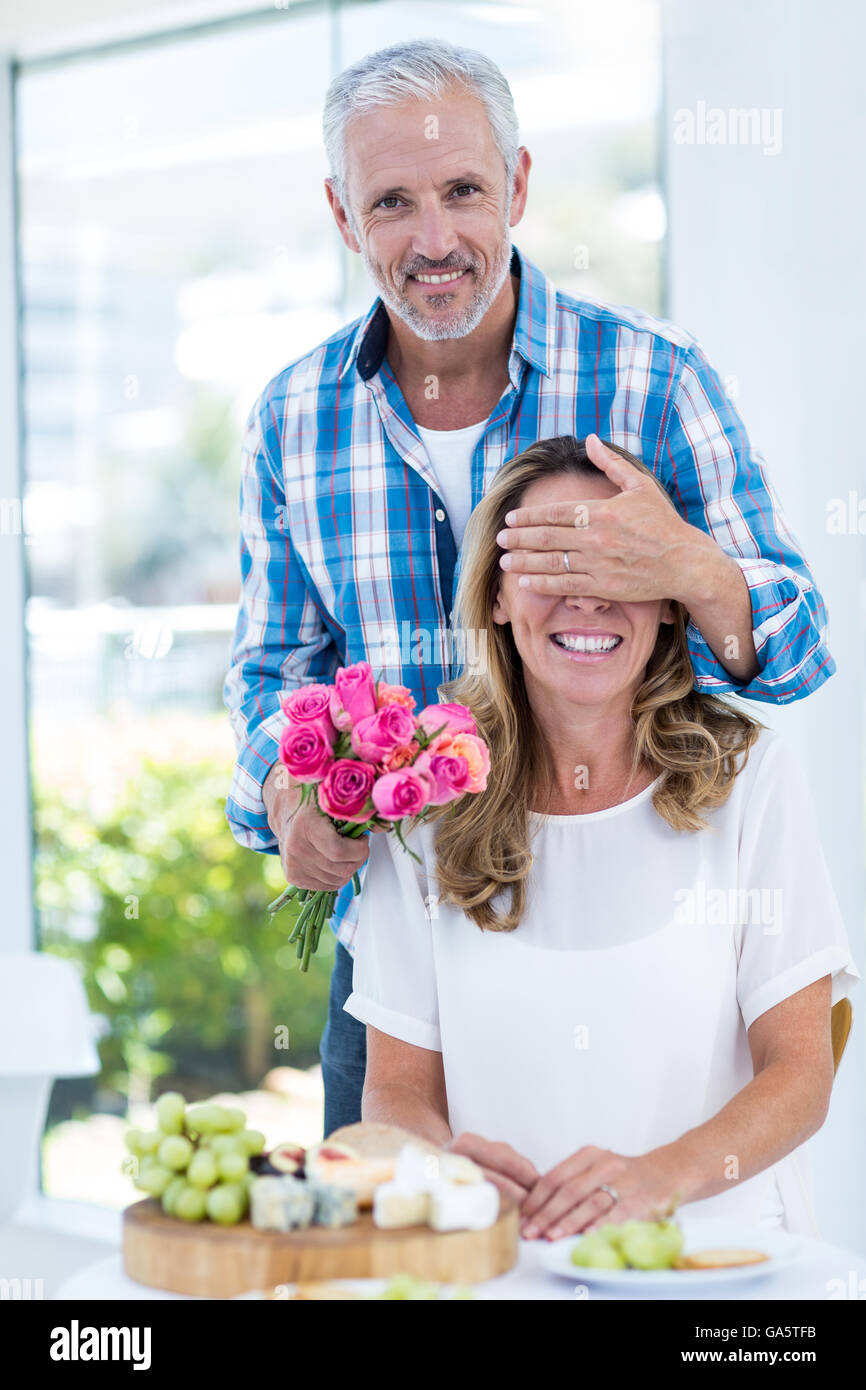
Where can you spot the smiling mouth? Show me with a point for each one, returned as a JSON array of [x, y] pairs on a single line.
[[586, 644], [442, 278]]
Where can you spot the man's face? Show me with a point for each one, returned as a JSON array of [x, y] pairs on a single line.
[[427, 196]]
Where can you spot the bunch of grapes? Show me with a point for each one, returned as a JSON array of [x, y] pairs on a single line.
[[197, 1163], [631, 1245]]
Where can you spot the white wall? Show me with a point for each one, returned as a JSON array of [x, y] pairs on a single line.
[[767, 266], [15, 832]]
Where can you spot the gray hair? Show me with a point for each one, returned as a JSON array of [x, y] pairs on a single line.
[[418, 69]]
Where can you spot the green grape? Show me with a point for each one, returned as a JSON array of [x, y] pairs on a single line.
[[132, 1140], [233, 1119], [155, 1180], [227, 1203], [203, 1119], [170, 1110], [202, 1170], [175, 1152], [169, 1196], [232, 1167], [148, 1161], [612, 1234], [594, 1251], [252, 1139], [645, 1246], [149, 1140], [191, 1204], [226, 1144], [670, 1239]]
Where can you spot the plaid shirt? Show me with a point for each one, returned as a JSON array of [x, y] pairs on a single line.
[[347, 552]]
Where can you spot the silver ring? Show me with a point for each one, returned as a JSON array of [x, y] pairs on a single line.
[[565, 561], [611, 1191]]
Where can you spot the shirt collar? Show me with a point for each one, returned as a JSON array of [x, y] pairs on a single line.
[[534, 326]]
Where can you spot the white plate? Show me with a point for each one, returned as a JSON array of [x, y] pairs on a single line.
[[366, 1288], [700, 1234]]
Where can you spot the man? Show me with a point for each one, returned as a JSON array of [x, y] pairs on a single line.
[[363, 459]]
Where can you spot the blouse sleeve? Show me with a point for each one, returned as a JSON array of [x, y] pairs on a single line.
[[394, 977], [790, 931]]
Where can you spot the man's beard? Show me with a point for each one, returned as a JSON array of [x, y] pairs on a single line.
[[461, 321]]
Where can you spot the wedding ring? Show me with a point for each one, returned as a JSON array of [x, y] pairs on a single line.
[[611, 1191], [565, 560]]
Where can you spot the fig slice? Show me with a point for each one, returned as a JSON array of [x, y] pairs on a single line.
[[286, 1158]]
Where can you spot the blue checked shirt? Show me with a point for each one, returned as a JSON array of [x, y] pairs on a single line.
[[347, 552]]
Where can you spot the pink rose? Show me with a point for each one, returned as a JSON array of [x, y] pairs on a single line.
[[401, 756], [311, 704], [398, 794], [306, 751], [346, 788], [456, 718], [446, 774], [477, 754], [375, 735], [353, 695], [394, 695]]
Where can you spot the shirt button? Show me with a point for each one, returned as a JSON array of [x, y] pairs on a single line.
[[440, 515]]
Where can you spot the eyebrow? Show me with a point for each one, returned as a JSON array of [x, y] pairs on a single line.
[[468, 177]]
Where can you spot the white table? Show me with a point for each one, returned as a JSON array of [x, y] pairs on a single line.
[[823, 1272]]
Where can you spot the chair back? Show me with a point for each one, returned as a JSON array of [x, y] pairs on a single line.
[[841, 1016]]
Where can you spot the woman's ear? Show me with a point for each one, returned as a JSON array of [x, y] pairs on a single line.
[[498, 612], [667, 613]]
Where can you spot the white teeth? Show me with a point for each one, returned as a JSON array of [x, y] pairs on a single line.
[[438, 279], [574, 643]]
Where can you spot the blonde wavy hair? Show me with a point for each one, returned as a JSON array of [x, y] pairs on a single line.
[[691, 740]]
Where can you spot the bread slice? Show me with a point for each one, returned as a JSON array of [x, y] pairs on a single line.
[[372, 1140], [720, 1259]]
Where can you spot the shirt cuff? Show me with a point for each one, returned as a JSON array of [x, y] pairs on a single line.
[[411, 1030], [792, 658], [245, 807], [833, 960]]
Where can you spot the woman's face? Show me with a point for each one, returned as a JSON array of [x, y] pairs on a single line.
[[627, 631]]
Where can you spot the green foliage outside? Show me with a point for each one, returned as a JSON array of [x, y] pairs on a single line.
[[165, 915]]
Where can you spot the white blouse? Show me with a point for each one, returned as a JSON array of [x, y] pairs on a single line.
[[616, 1013]]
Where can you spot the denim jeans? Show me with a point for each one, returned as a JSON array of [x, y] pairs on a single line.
[[343, 1050]]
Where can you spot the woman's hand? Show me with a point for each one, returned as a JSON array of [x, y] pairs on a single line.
[[567, 1200], [513, 1174]]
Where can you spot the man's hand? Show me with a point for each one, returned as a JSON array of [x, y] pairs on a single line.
[[313, 854], [568, 1200], [513, 1174], [635, 546]]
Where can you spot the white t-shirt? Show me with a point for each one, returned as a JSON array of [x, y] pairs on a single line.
[[450, 452], [616, 1013]]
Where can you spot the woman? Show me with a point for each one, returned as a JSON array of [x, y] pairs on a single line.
[[621, 994]]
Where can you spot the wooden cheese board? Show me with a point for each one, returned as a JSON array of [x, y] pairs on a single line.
[[212, 1261]]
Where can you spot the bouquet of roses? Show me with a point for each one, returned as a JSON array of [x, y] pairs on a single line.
[[366, 760]]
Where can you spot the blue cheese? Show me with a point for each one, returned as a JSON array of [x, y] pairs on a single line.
[[280, 1204], [334, 1206]]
